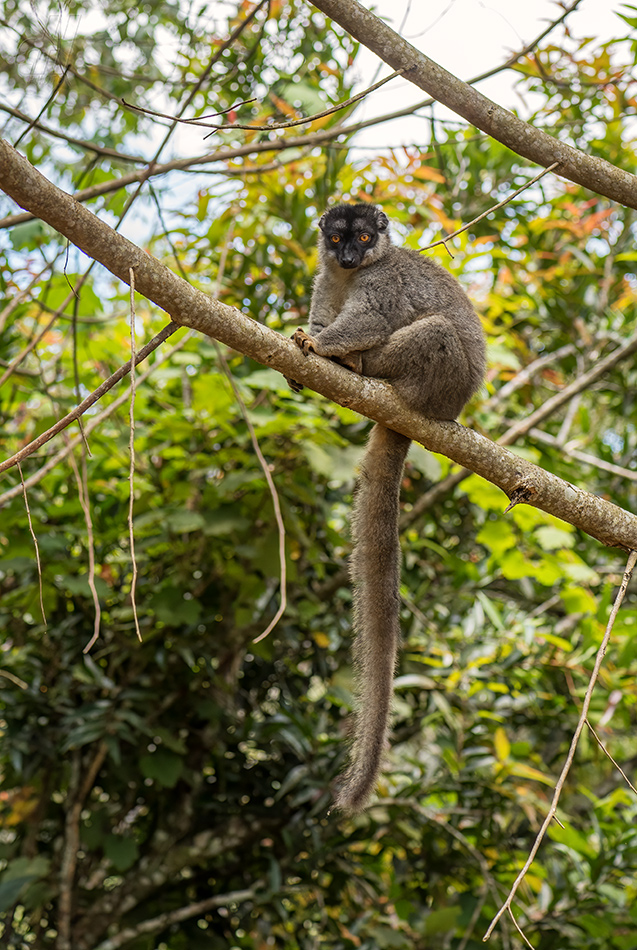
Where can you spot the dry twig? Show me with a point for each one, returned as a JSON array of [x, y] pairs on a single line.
[[85, 504], [131, 451], [35, 543], [607, 753], [272, 126]]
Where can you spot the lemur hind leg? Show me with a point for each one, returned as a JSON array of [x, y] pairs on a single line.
[[426, 363]]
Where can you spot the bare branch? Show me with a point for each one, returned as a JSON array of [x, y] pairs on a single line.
[[178, 119], [525, 374], [75, 799], [570, 450], [318, 138], [599, 369], [16, 300]]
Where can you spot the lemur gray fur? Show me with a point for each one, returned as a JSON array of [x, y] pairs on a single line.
[[387, 312]]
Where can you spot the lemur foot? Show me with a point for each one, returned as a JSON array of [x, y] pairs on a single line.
[[353, 361], [294, 386], [304, 342]]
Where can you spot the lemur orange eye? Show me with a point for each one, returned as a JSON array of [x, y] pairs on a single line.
[[335, 239], [364, 238]]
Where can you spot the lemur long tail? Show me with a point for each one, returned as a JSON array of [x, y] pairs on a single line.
[[375, 572]]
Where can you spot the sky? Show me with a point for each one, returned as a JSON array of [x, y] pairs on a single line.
[[468, 37]]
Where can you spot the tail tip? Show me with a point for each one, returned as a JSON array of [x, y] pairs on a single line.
[[351, 798]]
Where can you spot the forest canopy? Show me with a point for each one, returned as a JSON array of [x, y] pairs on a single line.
[[167, 773]]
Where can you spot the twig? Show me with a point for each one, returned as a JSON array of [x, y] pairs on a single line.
[[85, 504], [592, 460], [632, 559], [80, 143], [90, 400], [271, 126], [46, 105], [574, 404], [238, 30], [19, 297], [35, 543], [131, 450], [525, 374], [162, 921], [607, 753], [519, 930], [15, 362], [14, 679], [281, 530], [178, 119], [484, 214], [307, 119], [565, 395]]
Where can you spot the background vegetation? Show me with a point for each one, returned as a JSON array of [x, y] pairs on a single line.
[[173, 793]]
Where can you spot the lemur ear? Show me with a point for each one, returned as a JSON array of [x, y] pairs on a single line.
[[382, 221], [321, 223]]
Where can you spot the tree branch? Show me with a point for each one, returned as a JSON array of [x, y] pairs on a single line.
[[188, 306], [594, 173], [155, 924]]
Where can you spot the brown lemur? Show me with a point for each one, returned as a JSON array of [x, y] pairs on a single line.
[[387, 312]]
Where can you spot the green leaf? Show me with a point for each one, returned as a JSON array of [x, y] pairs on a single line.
[[573, 839], [163, 766], [121, 852], [442, 921], [333, 462], [498, 536], [184, 521], [551, 537]]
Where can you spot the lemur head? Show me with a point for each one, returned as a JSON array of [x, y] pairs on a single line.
[[354, 235]]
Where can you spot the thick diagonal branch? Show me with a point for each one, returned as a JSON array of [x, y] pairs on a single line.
[[518, 478], [587, 170]]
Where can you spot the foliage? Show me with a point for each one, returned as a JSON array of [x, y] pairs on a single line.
[[209, 757]]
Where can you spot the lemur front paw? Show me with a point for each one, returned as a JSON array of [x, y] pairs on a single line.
[[304, 342]]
